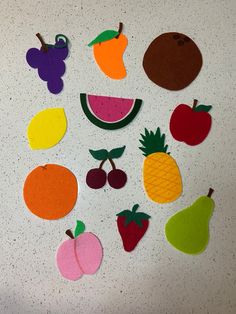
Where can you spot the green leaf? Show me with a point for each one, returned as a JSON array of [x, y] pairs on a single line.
[[202, 108], [80, 227], [142, 216], [104, 36], [116, 152], [124, 213], [101, 154]]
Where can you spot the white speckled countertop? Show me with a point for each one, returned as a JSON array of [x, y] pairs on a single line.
[[155, 278]]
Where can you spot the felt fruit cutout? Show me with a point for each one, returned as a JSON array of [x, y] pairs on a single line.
[[172, 61], [47, 128], [188, 230], [161, 175], [190, 125], [50, 191], [82, 254], [109, 113], [49, 60], [132, 226], [96, 178], [108, 50]]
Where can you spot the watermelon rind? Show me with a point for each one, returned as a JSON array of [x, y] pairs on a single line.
[[110, 125]]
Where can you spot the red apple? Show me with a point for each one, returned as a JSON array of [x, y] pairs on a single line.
[[190, 124]]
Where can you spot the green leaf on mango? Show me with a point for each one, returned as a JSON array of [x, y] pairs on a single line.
[[104, 36]]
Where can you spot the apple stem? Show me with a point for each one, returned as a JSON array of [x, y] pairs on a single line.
[[119, 30], [44, 46], [210, 192], [195, 101], [112, 164], [70, 234], [102, 163]]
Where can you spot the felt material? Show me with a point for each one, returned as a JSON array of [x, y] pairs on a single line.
[[190, 124], [82, 255], [110, 113], [50, 191], [161, 176], [47, 128], [108, 50], [172, 61], [96, 178], [188, 230], [49, 60], [132, 226]]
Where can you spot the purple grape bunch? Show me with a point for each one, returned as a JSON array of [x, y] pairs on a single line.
[[49, 60]]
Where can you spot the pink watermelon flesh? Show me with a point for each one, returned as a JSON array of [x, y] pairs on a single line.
[[110, 109]]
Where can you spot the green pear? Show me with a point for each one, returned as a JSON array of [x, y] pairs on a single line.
[[188, 230]]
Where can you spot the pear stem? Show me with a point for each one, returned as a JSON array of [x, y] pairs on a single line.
[[210, 192], [44, 46], [119, 30], [195, 101], [70, 234]]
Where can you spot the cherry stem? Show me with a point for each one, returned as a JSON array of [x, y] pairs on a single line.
[[102, 163], [195, 101], [70, 234], [210, 192], [112, 164], [44, 46], [119, 30]]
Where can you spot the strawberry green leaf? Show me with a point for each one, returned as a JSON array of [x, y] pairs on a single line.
[[104, 36], [80, 227], [116, 152], [101, 154], [124, 213], [142, 216], [202, 108]]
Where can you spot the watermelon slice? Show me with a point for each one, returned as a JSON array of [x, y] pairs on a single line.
[[109, 113]]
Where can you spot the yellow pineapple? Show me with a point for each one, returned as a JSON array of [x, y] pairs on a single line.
[[161, 175]]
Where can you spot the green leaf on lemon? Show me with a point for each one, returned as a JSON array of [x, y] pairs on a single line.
[[104, 36]]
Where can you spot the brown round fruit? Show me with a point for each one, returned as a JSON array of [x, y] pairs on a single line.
[[172, 61]]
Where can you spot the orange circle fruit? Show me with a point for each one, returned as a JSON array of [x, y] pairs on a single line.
[[50, 191]]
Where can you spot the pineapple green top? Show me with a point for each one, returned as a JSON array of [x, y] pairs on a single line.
[[153, 142]]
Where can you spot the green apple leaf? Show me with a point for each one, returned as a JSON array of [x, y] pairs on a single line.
[[104, 36], [116, 152], [202, 108], [101, 154], [80, 227]]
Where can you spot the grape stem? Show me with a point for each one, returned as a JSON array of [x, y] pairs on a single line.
[[119, 30], [44, 46], [112, 164]]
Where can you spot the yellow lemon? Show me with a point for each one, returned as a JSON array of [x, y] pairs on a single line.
[[47, 128]]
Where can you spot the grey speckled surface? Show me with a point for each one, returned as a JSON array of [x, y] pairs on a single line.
[[155, 278]]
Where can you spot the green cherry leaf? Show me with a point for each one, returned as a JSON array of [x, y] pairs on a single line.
[[104, 36], [80, 227], [202, 108], [116, 152], [101, 154]]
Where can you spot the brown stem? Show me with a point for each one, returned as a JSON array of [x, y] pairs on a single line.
[[119, 30], [70, 234], [44, 46], [195, 101], [112, 164], [210, 192], [102, 163]]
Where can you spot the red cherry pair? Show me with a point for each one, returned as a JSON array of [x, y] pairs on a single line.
[[96, 178]]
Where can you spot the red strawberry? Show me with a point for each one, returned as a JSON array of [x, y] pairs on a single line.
[[132, 227]]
